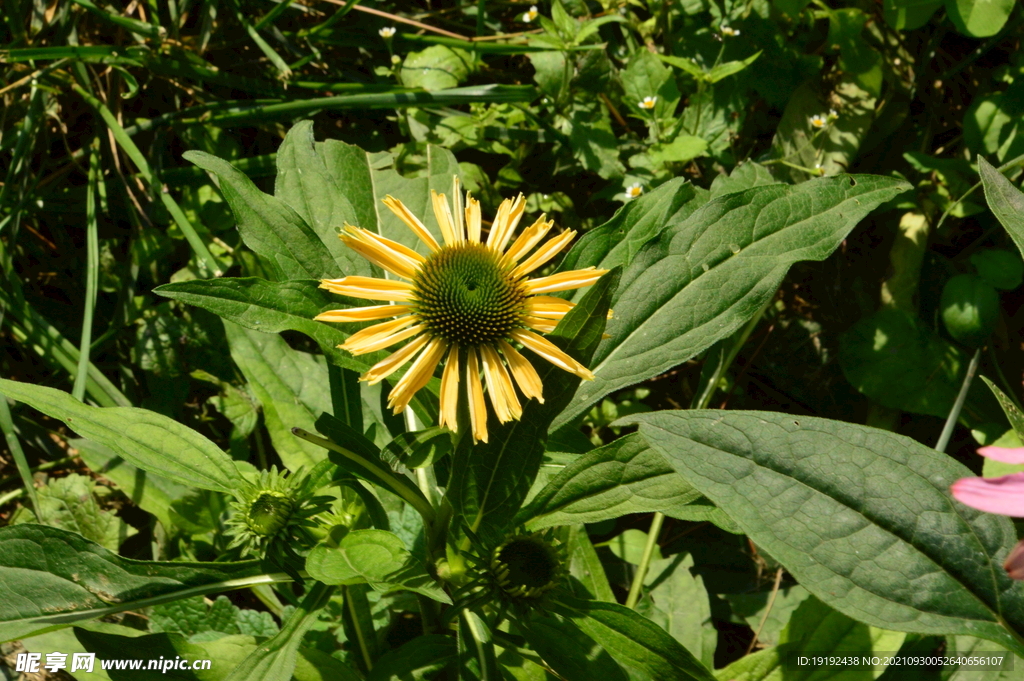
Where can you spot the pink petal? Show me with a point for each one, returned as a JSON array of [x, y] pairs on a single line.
[[1004, 454], [1004, 495], [1014, 564]]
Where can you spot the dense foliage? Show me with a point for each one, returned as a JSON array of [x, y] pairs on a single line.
[[803, 318]]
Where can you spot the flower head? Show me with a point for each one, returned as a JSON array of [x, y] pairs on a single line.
[[728, 31], [833, 115], [387, 32], [634, 190], [819, 121], [531, 15], [1003, 495], [648, 102], [466, 302], [275, 507]]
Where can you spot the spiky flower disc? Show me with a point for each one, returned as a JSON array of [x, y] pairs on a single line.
[[526, 566], [466, 302], [273, 507]]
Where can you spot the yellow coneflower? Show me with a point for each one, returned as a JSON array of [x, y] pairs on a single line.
[[465, 302]]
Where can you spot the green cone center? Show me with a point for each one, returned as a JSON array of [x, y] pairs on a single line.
[[466, 297], [269, 513], [531, 563]]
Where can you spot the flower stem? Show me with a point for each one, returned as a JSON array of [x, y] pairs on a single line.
[[954, 413], [645, 560]]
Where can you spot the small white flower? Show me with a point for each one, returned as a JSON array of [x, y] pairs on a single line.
[[634, 190], [648, 102], [818, 121], [817, 166], [387, 32], [833, 115], [531, 15], [731, 32], [396, 60]]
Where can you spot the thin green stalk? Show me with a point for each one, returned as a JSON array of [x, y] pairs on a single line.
[[126, 143], [954, 413], [92, 266], [360, 635], [12, 495], [712, 385], [7, 425], [1009, 165], [279, 63], [645, 560]]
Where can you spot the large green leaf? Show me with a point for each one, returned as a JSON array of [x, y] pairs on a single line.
[[979, 18], [813, 629], [270, 307], [573, 655], [623, 477], [271, 228], [304, 183], [53, 577], [1005, 201], [291, 387], [636, 641], [861, 517], [144, 438], [677, 601], [617, 241], [417, 659], [373, 557], [490, 480], [704, 277]]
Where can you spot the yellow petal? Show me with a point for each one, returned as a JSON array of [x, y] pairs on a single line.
[[385, 242], [548, 306], [379, 341], [526, 376], [473, 218], [362, 314], [450, 391], [444, 217], [458, 209], [413, 222], [563, 281], [539, 324], [530, 237], [509, 213], [370, 288], [544, 253], [477, 406], [382, 257], [387, 366], [551, 353], [499, 384], [418, 375]]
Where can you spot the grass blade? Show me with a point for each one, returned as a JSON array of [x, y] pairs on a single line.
[[92, 264]]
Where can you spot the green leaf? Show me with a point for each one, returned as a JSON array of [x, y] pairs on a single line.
[[1013, 413], [677, 601], [635, 641], [70, 504], [572, 654], [687, 65], [275, 232], [623, 477], [681, 150], [856, 57], [629, 546], [1003, 269], [979, 18], [585, 566], [815, 628], [270, 307], [1005, 201], [897, 361], [907, 15], [992, 124], [191, 616], [617, 241], [861, 517], [291, 387], [373, 557], [417, 660], [490, 480], [276, 659], [65, 641], [550, 73], [730, 68], [594, 144], [144, 438], [706, 276], [54, 577], [306, 184], [646, 76], [418, 449], [436, 68], [752, 608]]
